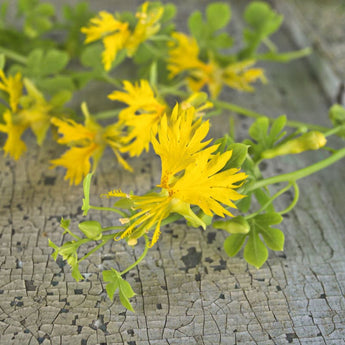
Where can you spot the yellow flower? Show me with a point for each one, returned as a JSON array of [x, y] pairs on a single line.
[[239, 75], [26, 111], [184, 58], [141, 117], [147, 25], [116, 35], [179, 142], [13, 86], [205, 185], [35, 111], [111, 31], [14, 145], [183, 54], [191, 175], [87, 142]]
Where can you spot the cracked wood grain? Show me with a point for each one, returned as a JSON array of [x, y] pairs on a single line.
[[188, 291]]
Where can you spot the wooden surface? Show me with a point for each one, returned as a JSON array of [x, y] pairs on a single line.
[[188, 290]]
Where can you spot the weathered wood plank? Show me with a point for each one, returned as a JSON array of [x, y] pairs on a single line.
[[188, 291]]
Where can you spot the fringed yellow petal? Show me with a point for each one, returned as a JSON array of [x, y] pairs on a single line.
[[77, 162]]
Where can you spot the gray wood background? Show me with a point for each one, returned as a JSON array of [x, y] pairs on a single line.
[[188, 290]]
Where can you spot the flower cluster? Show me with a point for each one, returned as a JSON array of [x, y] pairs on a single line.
[[171, 82]]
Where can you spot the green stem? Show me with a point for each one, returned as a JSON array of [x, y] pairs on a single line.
[[298, 174], [294, 201], [107, 114], [269, 44], [105, 239], [13, 55], [280, 192], [140, 258], [334, 131], [108, 209], [255, 115], [160, 38], [112, 228], [110, 80], [72, 234]]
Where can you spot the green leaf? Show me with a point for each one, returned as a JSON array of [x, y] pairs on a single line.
[[255, 252], [56, 84], [26, 5], [265, 137], [196, 25], [42, 63], [206, 32], [274, 238], [258, 130], [223, 41], [276, 128], [64, 223], [169, 13], [86, 199], [45, 9], [75, 270], [244, 204], [269, 218], [218, 15], [239, 154], [262, 18], [92, 56], [53, 61], [262, 21], [111, 276], [234, 243], [115, 282], [60, 98], [55, 247]]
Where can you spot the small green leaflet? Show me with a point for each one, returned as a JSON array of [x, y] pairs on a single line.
[[218, 16], [115, 282], [262, 21]]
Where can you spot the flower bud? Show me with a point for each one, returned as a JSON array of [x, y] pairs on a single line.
[[91, 229], [236, 225], [309, 141]]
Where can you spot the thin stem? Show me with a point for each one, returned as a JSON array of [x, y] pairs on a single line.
[[160, 38], [334, 131], [72, 234], [294, 201], [105, 239], [110, 80], [140, 258], [13, 55], [298, 174], [255, 115], [107, 114], [108, 209], [280, 192], [269, 44], [112, 228]]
